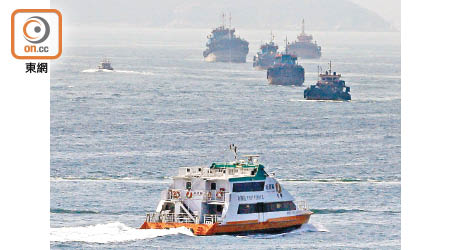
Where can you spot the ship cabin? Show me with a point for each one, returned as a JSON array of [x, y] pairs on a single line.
[[285, 59], [223, 193], [105, 64], [269, 48], [334, 80], [304, 38], [221, 31]]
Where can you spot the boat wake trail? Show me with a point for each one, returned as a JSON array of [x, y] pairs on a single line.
[[308, 227], [117, 71], [110, 232]]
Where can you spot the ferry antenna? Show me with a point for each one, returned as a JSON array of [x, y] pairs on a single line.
[[303, 26], [286, 45], [223, 19]]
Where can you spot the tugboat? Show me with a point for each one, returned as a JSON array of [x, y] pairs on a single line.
[[304, 47], [285, 70], [105, 64], [328, 87], [224, 46], [266, 57], [227, 198]]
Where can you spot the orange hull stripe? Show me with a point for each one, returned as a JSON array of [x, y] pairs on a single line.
[[243, 222], [233, 227]]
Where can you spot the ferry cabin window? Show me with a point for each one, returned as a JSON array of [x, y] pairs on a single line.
[[213, 186], [248, 187], [188, 185], [267, 207]]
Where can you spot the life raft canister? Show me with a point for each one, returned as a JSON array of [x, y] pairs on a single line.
[[176, 194], [278, 187], [219, 195], [188, 194]]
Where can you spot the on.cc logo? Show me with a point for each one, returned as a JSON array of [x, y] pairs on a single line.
[[36, 29]]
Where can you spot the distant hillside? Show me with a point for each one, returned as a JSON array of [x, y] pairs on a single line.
[[262, 14]]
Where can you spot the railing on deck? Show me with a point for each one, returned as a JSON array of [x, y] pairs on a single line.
[[215, 195], [302, 205], [171, 217], [211, 218]]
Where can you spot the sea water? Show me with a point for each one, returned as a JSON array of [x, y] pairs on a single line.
[[117, 137]]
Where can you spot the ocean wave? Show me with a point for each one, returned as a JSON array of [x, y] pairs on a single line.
[[109, 179], [341, 180], [110, 232], [67, 211], [342, 211]]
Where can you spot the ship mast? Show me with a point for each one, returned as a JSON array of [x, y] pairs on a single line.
[[230, 19], [223, 19], [233, 149], [330, 68], [286, 45], [303, 26], [272, 37]]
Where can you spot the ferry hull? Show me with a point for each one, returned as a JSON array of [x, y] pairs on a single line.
[[251, 226]]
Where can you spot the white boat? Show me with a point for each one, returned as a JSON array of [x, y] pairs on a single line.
[[227, 198], [105, 64]]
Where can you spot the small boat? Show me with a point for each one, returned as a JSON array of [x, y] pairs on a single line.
[[266, 57], [227, 198], [328, 87], [105, 64]]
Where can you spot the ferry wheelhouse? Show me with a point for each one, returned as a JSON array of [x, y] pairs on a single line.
[[227, 198]]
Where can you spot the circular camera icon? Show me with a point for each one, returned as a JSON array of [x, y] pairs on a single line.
[[36, 29]]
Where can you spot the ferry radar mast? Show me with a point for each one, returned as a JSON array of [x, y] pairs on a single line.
[[223, 19], [286, 42], [233, 149], [303, 26]]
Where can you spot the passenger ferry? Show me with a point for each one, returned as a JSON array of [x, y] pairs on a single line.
[[227, 198]]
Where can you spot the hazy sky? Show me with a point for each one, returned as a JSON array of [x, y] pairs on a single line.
[[387, 9], [355, 15]]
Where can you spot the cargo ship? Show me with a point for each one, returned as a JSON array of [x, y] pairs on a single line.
[[286, 70], [266, 57], [224, 46], [237, 197], [304, 47], [328, 87]]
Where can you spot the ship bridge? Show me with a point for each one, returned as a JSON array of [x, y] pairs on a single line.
[[240, 170]]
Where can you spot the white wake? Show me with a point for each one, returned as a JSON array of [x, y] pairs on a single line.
[[118, 71], [110, 232], [312, 228]]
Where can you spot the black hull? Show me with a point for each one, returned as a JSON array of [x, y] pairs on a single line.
[[286, 75], [316, 94]]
